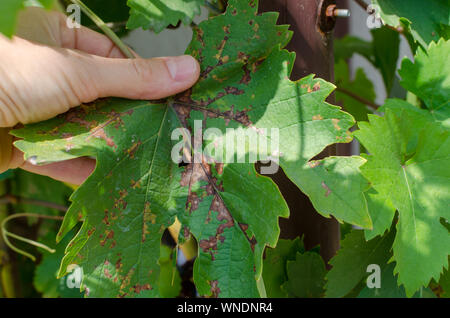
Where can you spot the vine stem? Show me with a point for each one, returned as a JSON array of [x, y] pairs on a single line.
[[358, 98], [12, 199], [362, 4], [105, 28], [6, 233]]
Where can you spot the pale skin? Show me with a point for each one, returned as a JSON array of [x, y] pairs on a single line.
[[49, 68]]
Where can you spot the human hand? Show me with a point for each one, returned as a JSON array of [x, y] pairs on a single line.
[[48, 68]]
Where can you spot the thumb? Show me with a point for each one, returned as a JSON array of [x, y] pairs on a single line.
[[141, 78], [41, 82]]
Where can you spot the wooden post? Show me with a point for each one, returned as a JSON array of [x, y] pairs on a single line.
[[313, 43]]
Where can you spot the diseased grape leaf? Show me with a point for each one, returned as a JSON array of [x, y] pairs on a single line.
[[159, 14], [137, 190], [306, 276], [429, 78], [427, 21], [409, 163], [350, 263]]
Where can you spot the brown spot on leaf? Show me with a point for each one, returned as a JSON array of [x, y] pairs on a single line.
[[336, 123], [215, 290], [132, 150], [138, 288], [328, 192], [100, 134], [313, 164], [107, 273], [316, 87], [317, 117]]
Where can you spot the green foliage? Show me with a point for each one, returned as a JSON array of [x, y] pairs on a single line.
[[31, 186], [360, 84], [6, 175], [386, 47], [9, 10], [275, 273], [351, 262], [45, 278], [429, 79], [389, 287], [444, 283], [306, 276], [427, 22], [382, 52], [408, 166], [290, 271], [170, 280], [158, 14]]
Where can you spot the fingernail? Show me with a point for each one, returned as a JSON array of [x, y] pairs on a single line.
[[181, 68]]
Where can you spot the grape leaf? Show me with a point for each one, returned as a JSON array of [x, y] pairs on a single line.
[[386, 49], [137, 190], [409, 164], [382, 52], [306, 276], [274, 272], [381, 211], [389, 287], [158, 14], [345, 47], [427, 21], [9, 10], [444, 282], [429, 78], [350, 263]]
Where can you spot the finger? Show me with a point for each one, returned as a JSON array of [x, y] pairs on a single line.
[[74, 171], [50, 28], [87, 40], [44, 81], [143, 78]]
